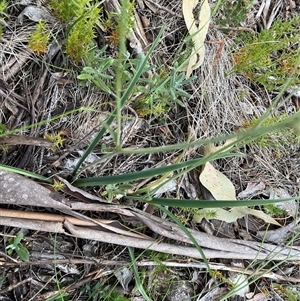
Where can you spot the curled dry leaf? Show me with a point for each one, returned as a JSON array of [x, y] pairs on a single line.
[[252, 189], [197, 30]]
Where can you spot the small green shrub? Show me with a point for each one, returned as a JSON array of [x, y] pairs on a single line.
[[38, 40], [235, 12], [164, 90], [81, 17], [272, 57]]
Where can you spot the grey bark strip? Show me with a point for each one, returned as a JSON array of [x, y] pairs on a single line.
[[19, 191]]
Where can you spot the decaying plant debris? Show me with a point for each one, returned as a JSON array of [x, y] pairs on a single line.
[[77, 239]]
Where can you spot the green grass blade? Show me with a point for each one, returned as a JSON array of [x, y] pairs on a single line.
[[25, 173], [98, 181], [188, 203], [189, 235], [43, 122], [137, 278], [246, 135]]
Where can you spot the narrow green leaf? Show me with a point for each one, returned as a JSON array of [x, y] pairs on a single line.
[[100, 84], [137, 276], [25, 173], [98, 181], [89, 70], [186, 203]]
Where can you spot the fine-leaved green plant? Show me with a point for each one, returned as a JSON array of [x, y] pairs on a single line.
[[2, 128], [98, 76], [38, 40], [81, 17], [233, 12], [162, 91], [271, 57]]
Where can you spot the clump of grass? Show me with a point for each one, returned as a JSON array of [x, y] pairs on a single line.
[[81, 17], [38, 40], [271, 58]]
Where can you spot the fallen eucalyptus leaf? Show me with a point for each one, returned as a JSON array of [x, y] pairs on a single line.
[[230, 216], [197, 30], [217, 183]]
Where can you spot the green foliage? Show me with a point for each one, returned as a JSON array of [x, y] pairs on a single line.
[[158, 93], [3, 15], [98, 75], [275, 211], [3, 7], [125, 19], [58, 185], [60, 296], [2, 128], [81, 17], [206, 213], [287, 291], [116, 296], [234, 12], [66, 11], [16, 246], [277, 140], [272, 57], [162, 92], [95, 291], [219, 276], [98, 292], [56, 139], [111, 191], [158, 258], [38, 40]]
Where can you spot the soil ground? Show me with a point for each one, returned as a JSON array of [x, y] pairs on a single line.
[[38, 87]]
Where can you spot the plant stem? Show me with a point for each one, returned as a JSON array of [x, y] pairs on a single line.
[[122, 31]]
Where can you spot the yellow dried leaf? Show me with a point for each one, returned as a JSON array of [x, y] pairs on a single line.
[[217, 183], [197, 30]]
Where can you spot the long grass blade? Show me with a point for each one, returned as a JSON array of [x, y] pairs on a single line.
[[188, 203], [25, 173], [98, 181]]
